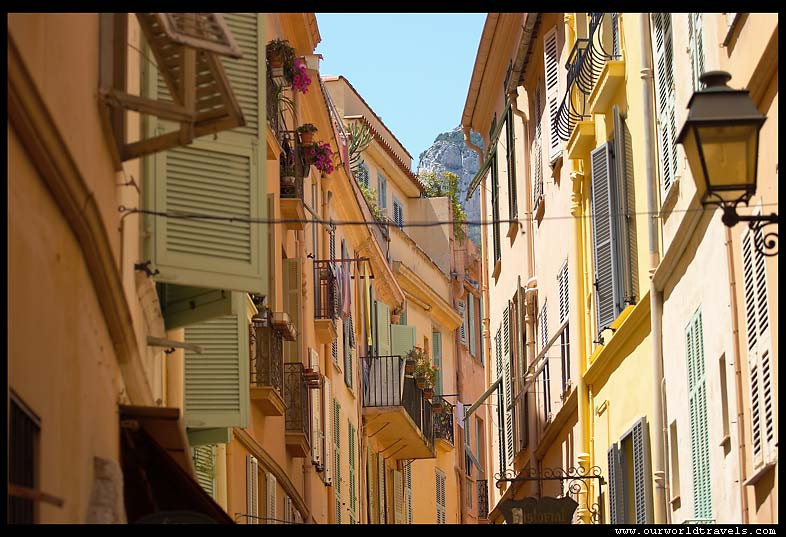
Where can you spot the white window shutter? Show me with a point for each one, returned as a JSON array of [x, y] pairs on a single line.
[[663, 52], [288, 516], [696, 48], [398, 498], [327, 441], [440, 496], [316, 427], [270, 498], [551, 66], [564, 303], [252, 489]]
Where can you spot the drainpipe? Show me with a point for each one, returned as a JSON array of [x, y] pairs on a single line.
[[738, 377], [656, 297], [476, 149]]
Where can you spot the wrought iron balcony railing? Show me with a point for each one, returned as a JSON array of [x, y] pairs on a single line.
[[274, 118], [325, 290], [443, 423], [297, 417], [266, 350], [294, 166], [483, 498], [385, 384]]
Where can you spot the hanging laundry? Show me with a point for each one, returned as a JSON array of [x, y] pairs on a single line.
[[460, 413]]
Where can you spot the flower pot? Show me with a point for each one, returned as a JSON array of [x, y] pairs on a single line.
[[275, 59], [420, 383], [409, 367], [436, 408], [428, 393], [306, 137], [288, 180]]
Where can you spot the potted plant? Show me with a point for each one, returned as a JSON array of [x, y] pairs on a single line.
[[424, 371], [306, 132], [436, 407], [321, 156], [281, 56], [428, 391]]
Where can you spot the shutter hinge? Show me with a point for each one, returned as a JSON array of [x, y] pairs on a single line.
[[145, 267]]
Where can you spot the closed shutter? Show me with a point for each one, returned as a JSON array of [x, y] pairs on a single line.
[[696, 48], [616, 508], [398, 213], [205, 467], [511, 154], [363, 174], [252, 489], [327, 445], [217, 381], [498, 357], [471, 323], [352, 482], [246, 74], [440, 496], [337, 460], [402, 339], [437, 351], [408, 491], [622, 215], [495, 206], [663, 52], [382, 328], [382, 192], [544, 325], [642, 484], [508, 386], [292, 296], [372, 484], [316, 414], [603, 234], [551, 66], [381, 476], [270, 498], [564, 303], [463, 327], [546, 391], [398, 498], [522, 334], [288, 515], [699, 429]]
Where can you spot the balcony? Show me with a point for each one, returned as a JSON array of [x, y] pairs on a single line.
[[443, 428], [325, 301], [483, 499], [297, 417], [267, 363], [605, 56], [294, 169], [394, 409]]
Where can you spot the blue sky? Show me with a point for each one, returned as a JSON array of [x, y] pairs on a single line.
[[412, 69]]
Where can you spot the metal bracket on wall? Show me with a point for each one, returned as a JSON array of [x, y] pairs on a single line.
[[171, 345], [145, 267]]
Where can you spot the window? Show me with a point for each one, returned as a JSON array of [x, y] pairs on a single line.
[[437, 353], [663, 53], [630, 484], [398, 213], [696, 48], [536, 151], [699, 426], [564, 345], [23, 436], [270, 499], [495, 207], [674, 470], [382, 192], [440, 495], [523, 434], [510, 147], [471, 323]]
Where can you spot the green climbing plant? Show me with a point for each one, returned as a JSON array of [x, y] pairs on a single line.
[[447, 184]]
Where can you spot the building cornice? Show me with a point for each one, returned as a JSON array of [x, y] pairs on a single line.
[[415, 286]]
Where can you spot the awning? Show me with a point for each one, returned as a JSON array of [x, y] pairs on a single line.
[[158, 476]]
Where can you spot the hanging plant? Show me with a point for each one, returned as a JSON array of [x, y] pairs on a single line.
[[298, 77], [306, 132], [321, 156], [280, 55]]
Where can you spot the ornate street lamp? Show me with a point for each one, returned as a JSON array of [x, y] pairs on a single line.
[[721, 141]]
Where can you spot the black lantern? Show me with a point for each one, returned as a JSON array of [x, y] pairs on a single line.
[[721, 142]]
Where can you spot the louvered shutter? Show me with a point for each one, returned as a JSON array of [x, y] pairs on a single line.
[[247, 74], [270, 498], [316, 417], [398, 498], [544, 325], [292, 296], [603, 234], [498, 357], [522, 332], [616, 509], [696, 48], [463, 327], [402, 339], [642, 483], [217, 381], [511, 159], [287, 509], [440, 496], [551, 66], [546, 391], [352, 482], [699, 427], [622, 215], [408, 491], [471, 323], [371, 486], [508, 387], [562, 283], [337, 452], [182, 305], [383, 328], [663, 52], [437, 352], [536, 151], [205, 467], [348, 374], [327, 447], [252, 489], [382, 478]]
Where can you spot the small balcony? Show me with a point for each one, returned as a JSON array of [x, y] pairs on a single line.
[[325, 301], [605, 57], [395, 410], [443, 427], [294, 169], [267, 363], [297, 417], [483, 499]]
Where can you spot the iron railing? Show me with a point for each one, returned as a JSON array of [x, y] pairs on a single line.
[[325, 290], [294, 166], [483, 498], [297, 417], [267, 353], [274, 115], [569, 112], [443, 422], [385, 384]]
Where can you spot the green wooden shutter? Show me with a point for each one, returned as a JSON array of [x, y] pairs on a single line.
[[398, 498], [699, 429], [624, 224], [603, 234], [437, 351], [663, 53], [337, 459], [327, 446], [181, 305], [513, 210], [616, 508], [508, 385], [352, 484], [498, 357], [402, 339], [642, 482], [217, 381], [383, 328], [205, 466], [471, 323], [247, 74], [463, 327], [292, 296]]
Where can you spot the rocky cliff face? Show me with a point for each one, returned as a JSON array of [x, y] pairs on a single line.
[[450, 153]]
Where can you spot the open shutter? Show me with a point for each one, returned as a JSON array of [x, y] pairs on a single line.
[[402, 339], [408, 491], [642, 484], [327, 445], [382, 328], [603, 234], [205, 467], [562, 283], [437, 351], [371, 486], [622, 214], [292, 295], [182, 305], [398, 498], [463, 326], [508, 386], [696, 48], [382, 484], [247, 74], [663, 52], [288, 515], [471, 323], [217, 381], [337, 458], [316, 415], [270, 498], [699, 428], [252, 489], [351, 452], [616, 509], [551, 66], [500, 399], [543, 321], [510, 148], [440, 496]]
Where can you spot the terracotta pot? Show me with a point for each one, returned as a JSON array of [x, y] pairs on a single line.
[[437, 409], [409, 367], [276, 60], [306, 137], [420, 383], [428, 393]]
